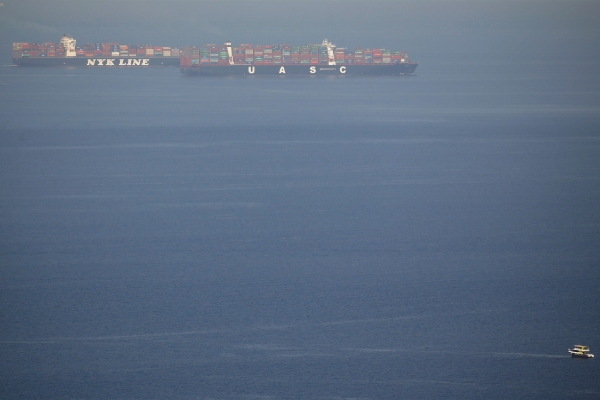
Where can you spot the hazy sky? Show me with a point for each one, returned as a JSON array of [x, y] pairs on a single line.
[[424, 27]]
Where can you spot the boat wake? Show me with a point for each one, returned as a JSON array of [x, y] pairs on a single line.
[[527, 355], [473, 354]]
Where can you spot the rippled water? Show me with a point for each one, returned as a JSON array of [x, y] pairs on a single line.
[[433, 236]]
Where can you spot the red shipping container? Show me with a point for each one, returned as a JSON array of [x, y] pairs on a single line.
[[185, 61]]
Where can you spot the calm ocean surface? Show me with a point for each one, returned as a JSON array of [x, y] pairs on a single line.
[[425, 237]]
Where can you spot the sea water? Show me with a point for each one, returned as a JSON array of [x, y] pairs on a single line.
[[425, 237]]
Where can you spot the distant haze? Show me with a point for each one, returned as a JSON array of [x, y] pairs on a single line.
[[446, 29]]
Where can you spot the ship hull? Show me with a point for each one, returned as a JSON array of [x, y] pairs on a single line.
[[98, 62], [300, 70], [581, 355]]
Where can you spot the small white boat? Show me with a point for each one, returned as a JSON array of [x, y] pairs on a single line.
[[581, 351]]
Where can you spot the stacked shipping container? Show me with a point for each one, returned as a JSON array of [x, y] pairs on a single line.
[[285, 54], [90, 50], [210, 54]]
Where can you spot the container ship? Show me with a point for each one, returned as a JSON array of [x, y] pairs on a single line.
[[316, 59], [66, 53]]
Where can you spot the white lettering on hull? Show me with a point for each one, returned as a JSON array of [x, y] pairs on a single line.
[[342, 70], [251, 70], [282, 70], [122, 62], [313, 70]]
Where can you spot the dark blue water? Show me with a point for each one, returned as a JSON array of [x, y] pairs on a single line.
[[425, 237]]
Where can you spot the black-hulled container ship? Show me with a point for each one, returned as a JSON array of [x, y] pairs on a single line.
[[317, 59], [66, 53]]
